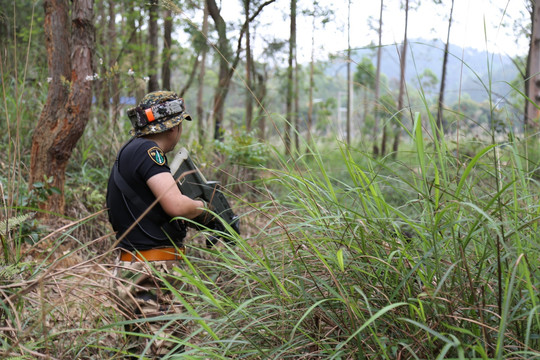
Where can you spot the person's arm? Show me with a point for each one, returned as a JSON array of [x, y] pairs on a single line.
[[171, 199]]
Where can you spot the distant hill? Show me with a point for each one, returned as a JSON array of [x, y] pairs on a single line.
[[466, 70]]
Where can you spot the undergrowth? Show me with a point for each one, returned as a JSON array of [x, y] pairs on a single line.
[[339, 272], [329, 265], [433, 255]]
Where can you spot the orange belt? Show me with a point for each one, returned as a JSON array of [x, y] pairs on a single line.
[[161, 254]]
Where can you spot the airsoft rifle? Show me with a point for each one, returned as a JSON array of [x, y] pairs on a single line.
[[193, 184]]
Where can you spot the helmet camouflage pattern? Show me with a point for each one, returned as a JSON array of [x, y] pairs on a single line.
[[160, 125]]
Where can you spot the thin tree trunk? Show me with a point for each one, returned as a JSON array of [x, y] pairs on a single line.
[[366, 106], [166, 66], [101, 87], [224, 56], [311, 83], [440, 119], [349, 74], [201, 118], [135, 41], [69, 97], [226, 67], [192, 74], [153, 83], [249, 97], [261, 94], [113, 66], [532, 80], [296, 100], [402, 62], [377, 94], [290, 79]]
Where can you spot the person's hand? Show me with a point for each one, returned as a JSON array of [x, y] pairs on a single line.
[[205, 218]]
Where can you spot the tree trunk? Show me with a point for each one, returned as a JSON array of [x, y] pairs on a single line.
[[249, 96], [201, 118], [440, 120], [135, 40], [311, 83], [261, 94], [366, 108], [153, 83], [69, 97], [296, 100], [349, 75], [226, 66], [113, 65], [402, 62], [191, 77], [377, 94], [290, 80], [166, 54], [532, 81], [101, 87], [224, 56]]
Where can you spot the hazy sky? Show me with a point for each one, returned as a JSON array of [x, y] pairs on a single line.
[[428, 21]]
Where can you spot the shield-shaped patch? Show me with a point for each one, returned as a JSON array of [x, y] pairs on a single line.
[[156, 154]]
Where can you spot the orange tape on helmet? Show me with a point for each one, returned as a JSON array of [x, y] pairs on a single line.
[[149, 115]]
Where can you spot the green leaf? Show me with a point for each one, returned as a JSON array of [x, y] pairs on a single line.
[[340, 260]]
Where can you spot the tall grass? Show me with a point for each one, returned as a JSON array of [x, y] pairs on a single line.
[[338, 270], [333, 266]]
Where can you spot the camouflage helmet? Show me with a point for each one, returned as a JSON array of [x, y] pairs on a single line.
[[143, 125]]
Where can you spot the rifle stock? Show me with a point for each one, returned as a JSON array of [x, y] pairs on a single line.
[[193, 184]]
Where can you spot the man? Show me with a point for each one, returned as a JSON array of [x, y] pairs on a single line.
[[142, 198]]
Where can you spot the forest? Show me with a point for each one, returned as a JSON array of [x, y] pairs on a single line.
[[387, 192]]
